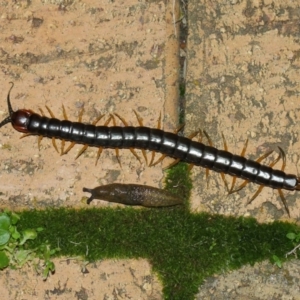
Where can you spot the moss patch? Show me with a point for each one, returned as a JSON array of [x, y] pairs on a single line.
[[183, 248]]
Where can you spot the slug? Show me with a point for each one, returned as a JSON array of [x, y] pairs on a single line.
[[133, 194]]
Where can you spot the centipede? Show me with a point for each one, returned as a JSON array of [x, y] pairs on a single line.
[[154, 139]]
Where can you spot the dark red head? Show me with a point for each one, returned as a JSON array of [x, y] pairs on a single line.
[[19, 119]]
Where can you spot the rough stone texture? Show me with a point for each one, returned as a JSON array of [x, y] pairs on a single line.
[[106, 57], [242, 81], [101, 56], [263, 281], [109, 279]]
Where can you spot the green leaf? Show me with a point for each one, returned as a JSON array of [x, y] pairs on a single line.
[[4, 261], [28, 234], [4, 221], [291, 235], [277, 261], [4, 236], [14, 218], [22, 256], [14, 232]]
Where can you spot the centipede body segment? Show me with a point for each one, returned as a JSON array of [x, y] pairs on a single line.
[[146, 138]]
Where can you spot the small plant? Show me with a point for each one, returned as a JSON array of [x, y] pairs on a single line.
[[277, 261], [295, 237], [13, 250]]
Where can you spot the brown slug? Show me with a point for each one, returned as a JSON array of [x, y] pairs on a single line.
[[133, 194]]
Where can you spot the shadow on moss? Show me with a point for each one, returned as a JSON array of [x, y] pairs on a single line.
[[183, 248]]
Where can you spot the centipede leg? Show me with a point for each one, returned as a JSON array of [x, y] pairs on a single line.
[[100, 148], [210, 143], [284, 202], [41, 137], [72, 144], [81, 151], [116, 149], [163, 156], [86, 146], [234, 177], [247, 181], [279, 190], [281, 155], [63, 142], [222, 174], [131, 149], [140, 121], [200, 141], [176, 161], [153, 152]]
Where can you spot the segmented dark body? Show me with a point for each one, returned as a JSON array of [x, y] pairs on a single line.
[[157, 140], [165, 142]]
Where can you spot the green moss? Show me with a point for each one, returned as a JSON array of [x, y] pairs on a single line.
[[183, 248], [179, 182]]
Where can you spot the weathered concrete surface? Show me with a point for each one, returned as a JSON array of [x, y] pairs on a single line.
[[242, 81], [106, 57], [103, 57]]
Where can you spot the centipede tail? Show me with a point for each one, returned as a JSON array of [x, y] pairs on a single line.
[[157, 140]]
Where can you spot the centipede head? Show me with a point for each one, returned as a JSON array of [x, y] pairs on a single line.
[[19, 119]]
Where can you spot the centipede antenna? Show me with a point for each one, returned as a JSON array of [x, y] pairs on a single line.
[[10, 110], [5, 121]]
